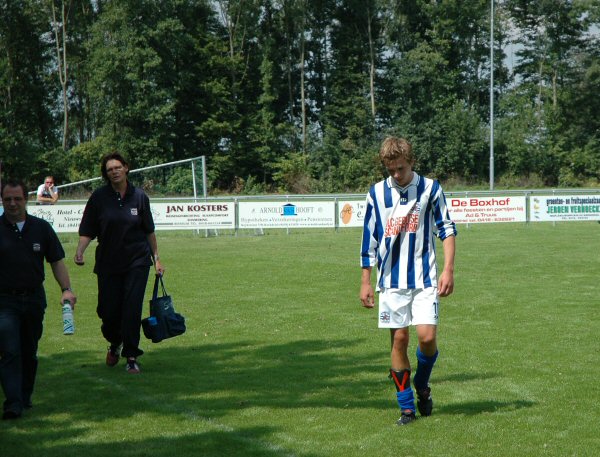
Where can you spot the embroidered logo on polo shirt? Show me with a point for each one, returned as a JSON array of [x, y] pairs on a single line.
[[134, 211], [37, 247]]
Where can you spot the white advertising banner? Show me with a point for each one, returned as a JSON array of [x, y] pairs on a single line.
[[63, 218], [352, 213], [286, 214], [167, 216], [477, 210], [202, 215], [564, 208]]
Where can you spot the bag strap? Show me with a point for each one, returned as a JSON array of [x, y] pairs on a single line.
[[155, 288], [162, 285], [158, 278]]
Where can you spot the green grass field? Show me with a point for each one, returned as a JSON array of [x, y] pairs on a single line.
[[280, 359]]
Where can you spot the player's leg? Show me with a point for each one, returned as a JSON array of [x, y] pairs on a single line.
[[425, 318], [394, 313], [427, 353], [400, 374]]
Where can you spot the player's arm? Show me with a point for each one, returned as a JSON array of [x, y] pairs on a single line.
[[446, 280], [368, 251], [367, 296]]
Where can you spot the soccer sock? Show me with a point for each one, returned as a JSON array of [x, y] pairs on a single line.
[[404, 394], [424, 367]]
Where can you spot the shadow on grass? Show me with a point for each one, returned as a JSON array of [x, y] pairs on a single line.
[[249, 442], [464, 377], [204, 388], [479, 407], [219, 378], [195, 398]]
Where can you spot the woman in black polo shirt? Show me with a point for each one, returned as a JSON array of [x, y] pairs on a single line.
[[118, 215]]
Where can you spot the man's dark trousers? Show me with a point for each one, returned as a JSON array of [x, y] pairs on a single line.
[[21, 326]]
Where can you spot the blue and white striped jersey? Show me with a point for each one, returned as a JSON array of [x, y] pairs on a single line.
[[400, 229]]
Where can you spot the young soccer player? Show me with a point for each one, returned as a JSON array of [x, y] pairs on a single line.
[[405, 212]]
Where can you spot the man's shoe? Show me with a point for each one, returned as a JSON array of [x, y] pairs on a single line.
[[9, 415], [112, 355], [407, 417], [132, 367], [424, 401]]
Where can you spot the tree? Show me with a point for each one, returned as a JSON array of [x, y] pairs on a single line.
[[26, 125], [59, 27]]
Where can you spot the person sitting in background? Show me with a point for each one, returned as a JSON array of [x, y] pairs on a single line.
[[47, 193]]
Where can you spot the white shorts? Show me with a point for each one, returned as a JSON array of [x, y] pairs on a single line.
[[399, 308]]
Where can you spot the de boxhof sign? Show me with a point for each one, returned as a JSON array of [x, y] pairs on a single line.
[[474, 210]]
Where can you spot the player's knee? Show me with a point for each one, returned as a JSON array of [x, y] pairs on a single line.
[[427, 337], [427, 340], [400, 340]]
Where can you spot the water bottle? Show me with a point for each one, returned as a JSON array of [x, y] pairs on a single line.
[[154, 330], [68, 322]]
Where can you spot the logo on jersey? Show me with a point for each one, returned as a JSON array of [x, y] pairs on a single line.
[[134, 212], [384, 317], [37, 247], [405, 224]]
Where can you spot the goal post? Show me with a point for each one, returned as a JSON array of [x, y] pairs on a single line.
[[155, 179]]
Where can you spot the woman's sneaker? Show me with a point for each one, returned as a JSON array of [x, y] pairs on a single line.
[[112, 355], [132, 367]]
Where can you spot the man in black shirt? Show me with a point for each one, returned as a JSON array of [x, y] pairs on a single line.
[[25, 241]]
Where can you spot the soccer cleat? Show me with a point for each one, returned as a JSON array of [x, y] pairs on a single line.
[[132, 367], [424, 401], [112, 355], [407, 417]]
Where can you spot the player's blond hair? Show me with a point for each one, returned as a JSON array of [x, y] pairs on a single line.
[[394, 148]]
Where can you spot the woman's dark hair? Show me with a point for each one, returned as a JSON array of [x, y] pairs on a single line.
[[112, 156]]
